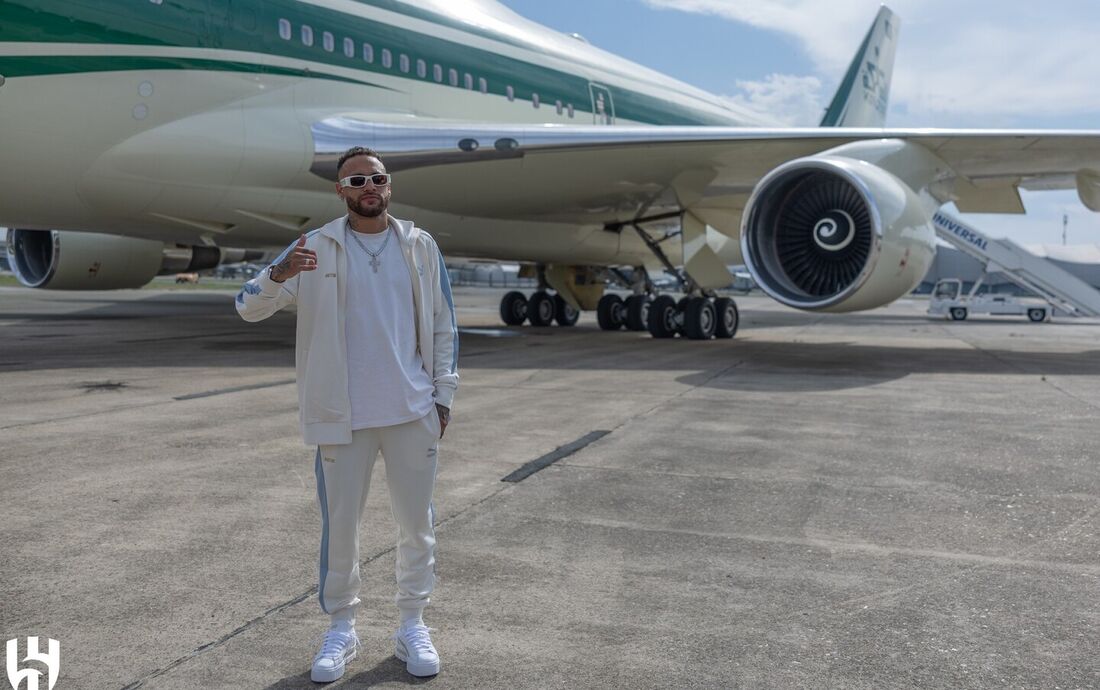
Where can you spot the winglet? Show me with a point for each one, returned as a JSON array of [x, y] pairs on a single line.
[[863, 95]]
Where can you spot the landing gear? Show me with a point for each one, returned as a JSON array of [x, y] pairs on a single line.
[[699, 318], [565, 313], [695, 318], [611, 312], [513, 308], [663, 321], [637, 312], [727, 317], [540, 309]]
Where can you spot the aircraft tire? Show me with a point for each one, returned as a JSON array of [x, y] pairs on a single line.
[[565, 313], [662, 317], [540, 309], [637, 312], [611, 312], [513, 308], [727, 318], [699, 318]]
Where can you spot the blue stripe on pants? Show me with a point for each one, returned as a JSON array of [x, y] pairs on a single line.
[[322, 496]]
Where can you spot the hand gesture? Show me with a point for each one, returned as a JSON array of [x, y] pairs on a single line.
[[299, 259]]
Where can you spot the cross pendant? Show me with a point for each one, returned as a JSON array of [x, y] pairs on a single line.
[[375, 263]]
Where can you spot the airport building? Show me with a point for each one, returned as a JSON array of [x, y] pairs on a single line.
[[1082, 261]]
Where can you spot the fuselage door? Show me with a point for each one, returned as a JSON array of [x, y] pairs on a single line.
[[228, 19], [603, 108]]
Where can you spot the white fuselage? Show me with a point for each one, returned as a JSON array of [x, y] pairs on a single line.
[[210, 142]]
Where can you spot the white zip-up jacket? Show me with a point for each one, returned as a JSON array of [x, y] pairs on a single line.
[[324, 403]]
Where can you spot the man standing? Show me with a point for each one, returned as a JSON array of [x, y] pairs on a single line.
[[376, 355]]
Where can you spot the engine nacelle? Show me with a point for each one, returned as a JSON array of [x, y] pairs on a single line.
[[830, 233], [62, 260]]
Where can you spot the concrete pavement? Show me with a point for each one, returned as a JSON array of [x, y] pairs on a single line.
[[854, 501]]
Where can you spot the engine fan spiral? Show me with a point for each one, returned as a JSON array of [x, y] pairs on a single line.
[[823, 234]]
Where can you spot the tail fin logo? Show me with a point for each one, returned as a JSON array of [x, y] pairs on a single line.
[[876, 87]]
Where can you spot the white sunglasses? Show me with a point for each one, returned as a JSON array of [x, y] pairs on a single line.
[[357, 181]]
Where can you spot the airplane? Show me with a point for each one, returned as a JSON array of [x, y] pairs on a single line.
[[160, 136]]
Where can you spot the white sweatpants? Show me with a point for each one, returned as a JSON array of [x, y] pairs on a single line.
[[343, 480]]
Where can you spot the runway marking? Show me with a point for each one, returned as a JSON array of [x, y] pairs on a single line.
[[234, 389], [186, 337], [92, 386], [529, 468]]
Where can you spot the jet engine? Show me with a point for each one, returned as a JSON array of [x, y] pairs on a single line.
[[836, 234], [65, 260]]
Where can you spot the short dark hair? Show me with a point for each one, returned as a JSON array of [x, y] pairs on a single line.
[[357, 151]]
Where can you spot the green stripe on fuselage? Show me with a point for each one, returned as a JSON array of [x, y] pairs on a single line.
[[252, 26], [39, 65]]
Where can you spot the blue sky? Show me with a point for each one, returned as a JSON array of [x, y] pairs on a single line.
[[1008, 64]]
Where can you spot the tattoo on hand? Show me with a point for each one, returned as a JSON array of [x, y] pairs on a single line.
[[277, 270]]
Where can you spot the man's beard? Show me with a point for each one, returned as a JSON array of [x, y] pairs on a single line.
[[356, 206]]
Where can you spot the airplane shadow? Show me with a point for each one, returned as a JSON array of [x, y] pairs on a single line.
[[779, 365], [189, 330]]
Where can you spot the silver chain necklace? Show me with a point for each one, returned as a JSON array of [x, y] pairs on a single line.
[[374, 262]]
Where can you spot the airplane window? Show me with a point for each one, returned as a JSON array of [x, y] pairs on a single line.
[[534, 100], [421, 69], [368, 52], [307, 35], [437, 73], [511, 93], [482, 85], [284, 29], [404, 62], [387, 58], [468, 81], [557, 106], [452, 76], [328, 41], [157, 2], [349, 47]]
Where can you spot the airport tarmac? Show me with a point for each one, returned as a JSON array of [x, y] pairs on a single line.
[[874, 500]]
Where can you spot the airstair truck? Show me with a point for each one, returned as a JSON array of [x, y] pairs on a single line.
[[949, 302], [1052, 284]]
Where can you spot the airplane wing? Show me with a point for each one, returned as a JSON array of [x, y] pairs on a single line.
[[607, 174]]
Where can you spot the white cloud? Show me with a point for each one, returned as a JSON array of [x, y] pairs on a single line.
[[1011, 64], [795, 100], [958, 64]]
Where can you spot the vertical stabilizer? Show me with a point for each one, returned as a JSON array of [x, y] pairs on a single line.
[[863, 95]]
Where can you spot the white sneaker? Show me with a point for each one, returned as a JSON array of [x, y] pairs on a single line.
[[414, 647], [337, 649]]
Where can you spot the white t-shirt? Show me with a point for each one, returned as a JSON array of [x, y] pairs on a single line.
[[386, 376]]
